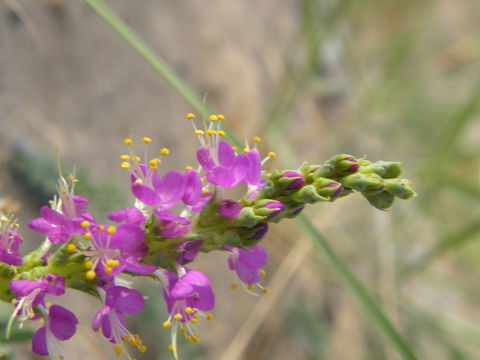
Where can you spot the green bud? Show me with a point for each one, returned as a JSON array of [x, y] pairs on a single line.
[[363, 182], [287, 180], [401, 188], [307, 194], [381, 201], [385, 169], [248, 217], [310, 173], [339, 165], [328, 188]]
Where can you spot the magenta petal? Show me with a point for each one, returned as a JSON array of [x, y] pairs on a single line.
[[241, 168], [133, 265], [170, 189], [226, 156], [22, 288], [249, 276], [131, 216], [221, 176], [40, 225], [39, 342], [254, 170], [97, 319], [257, 258], [204, 159], [203, 300], [193, 188], [127, 238], [52, 216], [81, 204], [57, 235], [182, 289], [62, 322], [196, 278], [145, 194], [230, 209], [125, 300]]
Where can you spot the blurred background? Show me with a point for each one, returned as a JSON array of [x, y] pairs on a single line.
[[394, 80]]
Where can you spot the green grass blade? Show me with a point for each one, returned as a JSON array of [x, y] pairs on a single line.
[[197, 103]]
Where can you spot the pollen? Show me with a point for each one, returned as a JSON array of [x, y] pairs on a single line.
[[221, 133], [194, 320], [118, 349], [234, 148], [188, 168], [164, 152], [266, 290], [233, 287], [111, 230], [199, 132], [125, 165], [71, 248], [177, 317], [271, 155], [87, 265], [127, 141], [262, 272], [257, 139], [188, 310], [250, 287], [90, 275], [170, 348], [147, 140], [154, 162], [190, 116], [209, 317], [221, 117], [137, 159], [205, 191], [142, 349], [183, 331], [100, 228], [246, 151], [213, 118], [125, 157], [108, 270], [167, 324], [187, 339], [87, 236], [195, 339], [85, 224], [211, 132]]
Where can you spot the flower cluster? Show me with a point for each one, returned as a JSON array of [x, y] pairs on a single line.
[[176, 216]]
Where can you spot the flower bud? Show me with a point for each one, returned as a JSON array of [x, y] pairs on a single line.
[[381, 201], [310, 173], [328, 188], [289, 180], [293, 212], [308, 194], [230, 209], [254, 235], [339, 165], [363, 182], [268, 208], [385, 169], [248, 218], [401, 188]]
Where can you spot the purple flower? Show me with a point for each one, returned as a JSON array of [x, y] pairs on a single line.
[[59, 226], [32, 293], [222, 167], [116, 249], [110, 319], [149, 188], [130, 216], [230, 209], [60, 324], [9, 243], [247, 264], [189, 251], [172, 226], [187, 294], [253, 176]]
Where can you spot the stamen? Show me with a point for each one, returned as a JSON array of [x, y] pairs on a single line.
[[85, 224], [87, 265], [90, 275], [125, 165], [262, 272], [190, 116], [213, 118], [257, 139], [87, 236], [71, 248], [177, 317], [127, 141], [164, 152], [221, 133], [233, 287], [147, 140], [199, 132], [125, 157], [167, 325], [111, 230], [271, 154], [220, 117], [188, 168]]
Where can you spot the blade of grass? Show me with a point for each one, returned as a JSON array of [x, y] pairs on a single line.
[[196, 102]]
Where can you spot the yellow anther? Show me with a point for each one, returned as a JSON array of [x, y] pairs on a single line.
[[195, 339], [257, 139], [213, 118], [188, 310], [110, 262], [100, 228], [211, 132], [154, 168], [262, 272], [111, 230], [127, 141], [137, 159], [71, 248], [118, 349], [266, 290], [193, 320], [108, 270], [188, 168], [246, 150], [233, 287], [209, 317], [177, 317], [75, 181], [85, 224], [250, 287], [126, 337], [164, 152], [87, 236], [125, 165], [220, 117], [147, 140], [199, 132], [271, 154], [115, 263], [167, 325], [205, 191], [90, 275], [137, 337], [125, 157], [183, 331], [170, 348], [234, 148], [190, 116], [221, 133], [154, 162], [187, 339], [142, 348]]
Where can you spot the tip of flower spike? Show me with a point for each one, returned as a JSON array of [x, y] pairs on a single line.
[[71, 248], [190, 116], [90, 275], [164, 152], [213, 118], [127, 141], [147, 140]]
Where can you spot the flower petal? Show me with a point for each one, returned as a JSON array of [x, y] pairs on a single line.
[[257, 258], [23, 288], [145, 194], [127, 238], [193, 188], [204, 159], [40, 225], [226, 156], [131, 216], [52, 216], [255, 166], [39, 342], [204, 299], [125, 300], [170, 189], [62, 322]]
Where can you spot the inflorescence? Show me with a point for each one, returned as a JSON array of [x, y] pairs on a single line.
[[154, 238]]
